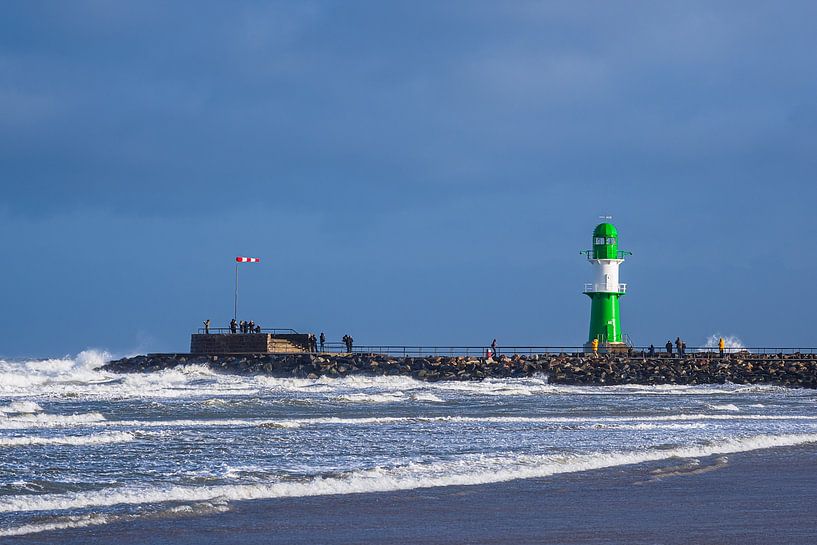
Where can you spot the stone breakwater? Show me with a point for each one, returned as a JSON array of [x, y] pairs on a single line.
[[792, 370]]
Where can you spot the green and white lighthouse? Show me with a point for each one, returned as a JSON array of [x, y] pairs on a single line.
[[605, 290]]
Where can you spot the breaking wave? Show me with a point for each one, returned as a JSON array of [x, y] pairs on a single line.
[[729, 341], [73, 440], [44, 420], [465, 470], [98, 420], [20, 407]]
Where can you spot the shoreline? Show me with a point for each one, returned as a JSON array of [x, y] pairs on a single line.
[[790, 370], [753, 497]]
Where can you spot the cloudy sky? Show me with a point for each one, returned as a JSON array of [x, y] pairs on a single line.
[[409, 172]]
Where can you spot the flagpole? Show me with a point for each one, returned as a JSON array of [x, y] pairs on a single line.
[[235, 300]]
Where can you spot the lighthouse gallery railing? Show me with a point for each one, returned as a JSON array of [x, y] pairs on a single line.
[[605, 288]]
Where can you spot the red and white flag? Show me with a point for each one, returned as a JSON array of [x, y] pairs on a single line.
[[247, 259]]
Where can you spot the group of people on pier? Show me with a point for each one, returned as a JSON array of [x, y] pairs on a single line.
[[681, 347], [347, 342], [313, 342], [235, 327]]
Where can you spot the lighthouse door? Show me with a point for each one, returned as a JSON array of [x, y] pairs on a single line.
[[611, 333]]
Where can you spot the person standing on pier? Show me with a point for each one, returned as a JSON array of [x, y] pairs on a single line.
[[678, 345], [233, 326], [251, 327], [595, 346], [323, 340], [207, 326], [721, 345], [493, 347], [669, 347], [652, 351]]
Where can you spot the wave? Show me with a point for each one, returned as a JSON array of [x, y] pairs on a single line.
[[94, 519], [387, 397], [729, 341], [724, 407], [72, 440], [650, 426], [20, 407], [466, 470], [64, 523], [44, 420], [95, 419], [424, 396], [80, 378]]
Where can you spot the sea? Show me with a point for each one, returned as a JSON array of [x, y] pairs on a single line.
[[81, 447]]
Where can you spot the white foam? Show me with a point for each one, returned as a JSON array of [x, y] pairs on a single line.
[[386, 397], [44, 420], [97, 420], [80, 521], [72, 440], [729, 341], [20, 407], [424, 396], [650, 426], [724, 407], [80, 378], [94, 519], [466, 470]]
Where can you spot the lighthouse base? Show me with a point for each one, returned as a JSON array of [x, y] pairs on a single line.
[[608, 348]]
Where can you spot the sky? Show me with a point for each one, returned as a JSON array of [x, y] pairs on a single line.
[[408, 172]]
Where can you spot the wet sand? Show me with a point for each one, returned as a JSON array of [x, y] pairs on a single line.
[[760, 497]]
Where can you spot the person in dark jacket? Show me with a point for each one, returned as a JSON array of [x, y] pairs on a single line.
[[669, 347], [233, 326], [652, 351], [323, 340], [207, 326]]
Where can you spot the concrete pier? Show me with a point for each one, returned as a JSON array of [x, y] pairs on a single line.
[[245, 343]]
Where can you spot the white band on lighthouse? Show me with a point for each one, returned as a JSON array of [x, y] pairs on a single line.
[[606, 275]]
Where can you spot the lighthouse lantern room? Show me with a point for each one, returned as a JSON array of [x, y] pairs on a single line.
[[605, 290]]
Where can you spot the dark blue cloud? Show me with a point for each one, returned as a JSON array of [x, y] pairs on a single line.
[[412, 172]]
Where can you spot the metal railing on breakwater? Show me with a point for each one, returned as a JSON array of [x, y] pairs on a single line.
[[480, 351], [227, 330]]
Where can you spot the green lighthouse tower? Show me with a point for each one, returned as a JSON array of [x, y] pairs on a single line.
[[605, 290]]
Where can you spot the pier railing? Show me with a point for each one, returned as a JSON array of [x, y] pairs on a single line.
[[481, 351], [225, 330]]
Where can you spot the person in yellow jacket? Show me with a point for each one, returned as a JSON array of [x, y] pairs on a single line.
[[595, 347], [721, 345]]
